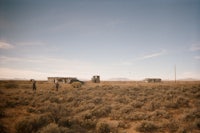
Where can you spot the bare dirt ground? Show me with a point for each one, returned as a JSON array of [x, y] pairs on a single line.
[[117, 107]]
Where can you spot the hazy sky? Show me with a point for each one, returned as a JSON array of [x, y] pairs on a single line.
[[132, 39]]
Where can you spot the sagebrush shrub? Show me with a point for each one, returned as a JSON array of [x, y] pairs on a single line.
[[196, 124], [158, 114], [191, 115], [76, 84], [182, 102], [103, 128], [137, 104], [123, 124], [3, 129], [147, 126], [32, 124], [136, 116], [26, 86], [1, 92], [172, 126], [88, 123], [53, 128], [2, 113], [65, 122], [57, 111], [11, 86], [126, 109], [107, 87], [101, 111], [11, 103]]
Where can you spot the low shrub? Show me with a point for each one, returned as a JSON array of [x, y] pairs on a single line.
[[57, 111], [182, 102], [171, 104], [76, 84], [190, 127], [123, 100], [151, 106], [88, 123], [123, 124], [11, 103], [26, 86], [172, 126], [3, 129], [53, 128], [137, 104], [101, 111], [97, 100], [85, 107], [32, 124], [147, 126], [181, 130], [1, 92], [31, 110], [65, 122], [11, 86], [196, 124], [115, 115], [158, 114], [126, 109], [136, 116], [24, 101], [191, 115], [103, 128], [107, 87], [2, 113], [54, 99]]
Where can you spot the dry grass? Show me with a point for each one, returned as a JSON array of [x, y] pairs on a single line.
[[117, 107]]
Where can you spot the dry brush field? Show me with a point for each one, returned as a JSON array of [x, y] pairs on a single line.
[[107, 107]]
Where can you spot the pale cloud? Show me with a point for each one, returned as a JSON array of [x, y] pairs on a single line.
[[31, 43], [10, 73], [195, 47], [52, 66], [4, 45], [197, 57], [75, 68], [59, 62], [152, 55], [190, 74], [43, 67], [34, 45], [144, 57], [7, 59]]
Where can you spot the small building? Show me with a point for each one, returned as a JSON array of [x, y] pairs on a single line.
[[152, 80], [96, 79], [61, 79]]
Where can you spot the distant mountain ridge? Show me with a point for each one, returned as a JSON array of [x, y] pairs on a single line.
[[188, 79]]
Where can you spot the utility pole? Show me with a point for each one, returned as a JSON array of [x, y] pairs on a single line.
[[175, 73]]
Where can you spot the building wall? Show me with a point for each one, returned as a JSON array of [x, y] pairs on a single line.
[[153, 80], [96, 79], [60, 79]]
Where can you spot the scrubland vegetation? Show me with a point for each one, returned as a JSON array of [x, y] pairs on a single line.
[[117, 107]]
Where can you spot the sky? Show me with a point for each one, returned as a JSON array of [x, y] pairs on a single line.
[[132, 39]]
